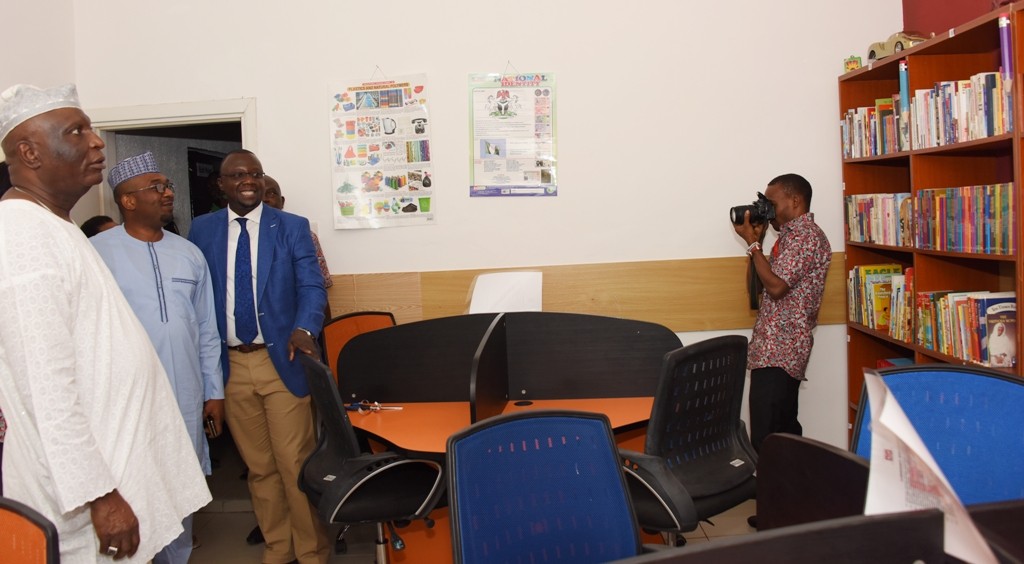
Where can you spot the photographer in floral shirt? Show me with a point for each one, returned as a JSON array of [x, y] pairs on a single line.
[[794, 281]]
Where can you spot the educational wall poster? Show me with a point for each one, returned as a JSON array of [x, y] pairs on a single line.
[[381, 170], [514, 134]]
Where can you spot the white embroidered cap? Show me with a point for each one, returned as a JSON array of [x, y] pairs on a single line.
[[22, 102]]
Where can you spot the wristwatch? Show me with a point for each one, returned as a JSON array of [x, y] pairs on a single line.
[[306, 331], [754, 245]]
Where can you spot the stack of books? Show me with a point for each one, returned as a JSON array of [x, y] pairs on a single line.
[[969, 219], [884, 219], [869, 294], [951, 111], [979, 327]]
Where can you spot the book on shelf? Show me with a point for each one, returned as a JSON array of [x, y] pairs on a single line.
[[869, 289], [906, 220], [886, 134], [904, 107], [994, 309], [1006, 67], [1002, 335], [901, 320], [881, 294]]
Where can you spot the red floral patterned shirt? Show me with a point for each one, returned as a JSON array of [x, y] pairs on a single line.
[[322, 261], [782, 334]]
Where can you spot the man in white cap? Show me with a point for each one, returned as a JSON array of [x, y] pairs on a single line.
[[95, 441], [166, 281]]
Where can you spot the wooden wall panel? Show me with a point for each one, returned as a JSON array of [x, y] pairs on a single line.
[[683, 295]]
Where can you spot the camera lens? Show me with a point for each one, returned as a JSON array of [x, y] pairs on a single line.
[[736, 214]]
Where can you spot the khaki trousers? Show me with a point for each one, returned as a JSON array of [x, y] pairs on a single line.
[[273, 431]]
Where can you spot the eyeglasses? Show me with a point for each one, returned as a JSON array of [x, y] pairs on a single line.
[[160, 188], [241, 175]]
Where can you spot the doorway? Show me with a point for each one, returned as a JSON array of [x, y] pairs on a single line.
[[187, 155], [171, 130]]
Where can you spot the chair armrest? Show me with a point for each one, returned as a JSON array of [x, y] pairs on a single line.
[[338, 483], [661, 501]]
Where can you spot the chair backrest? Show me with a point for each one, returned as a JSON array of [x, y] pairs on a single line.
[[340, 330], [26, 536], [539, 486], [801, 480], [969, 417], [695, 421], [336, 433], [550, 353]]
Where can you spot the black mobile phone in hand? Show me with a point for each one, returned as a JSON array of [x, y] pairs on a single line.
[[211, 428]]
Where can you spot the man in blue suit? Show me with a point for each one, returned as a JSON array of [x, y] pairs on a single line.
[[269, 296]]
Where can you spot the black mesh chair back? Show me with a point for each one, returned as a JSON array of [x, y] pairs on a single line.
[[695, 422], [539, 486], [347, 486], [697, 458]]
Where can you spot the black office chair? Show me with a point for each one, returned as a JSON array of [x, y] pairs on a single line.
[[697, 446], [26, 536], [347, 486], [539, 486]]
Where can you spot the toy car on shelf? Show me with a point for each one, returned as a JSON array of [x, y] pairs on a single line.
[[896, 43]]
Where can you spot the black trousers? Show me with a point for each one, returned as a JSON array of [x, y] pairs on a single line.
[[773, 404]]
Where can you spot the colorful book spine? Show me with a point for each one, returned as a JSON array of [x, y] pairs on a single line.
[[904, 107]]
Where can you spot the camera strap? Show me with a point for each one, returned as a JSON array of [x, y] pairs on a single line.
[[754, 286]]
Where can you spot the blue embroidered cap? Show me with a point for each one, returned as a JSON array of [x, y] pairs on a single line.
[[132, 167]]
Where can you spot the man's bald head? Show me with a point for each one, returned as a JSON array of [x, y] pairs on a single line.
[[272, 195]]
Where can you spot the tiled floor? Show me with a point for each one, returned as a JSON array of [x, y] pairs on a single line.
[[222, 526]]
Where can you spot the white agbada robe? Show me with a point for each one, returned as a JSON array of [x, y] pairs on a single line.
[[87, 402]]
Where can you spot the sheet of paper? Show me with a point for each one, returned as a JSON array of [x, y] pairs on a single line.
[[905, 477], [506, 291]]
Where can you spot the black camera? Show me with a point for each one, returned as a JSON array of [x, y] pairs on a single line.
[[761, 211]]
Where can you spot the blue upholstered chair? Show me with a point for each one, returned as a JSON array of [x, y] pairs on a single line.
[[539, 486], [970, 418]]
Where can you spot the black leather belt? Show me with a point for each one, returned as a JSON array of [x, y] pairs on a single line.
[[249, 348]]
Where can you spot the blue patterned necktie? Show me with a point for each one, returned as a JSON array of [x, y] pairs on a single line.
[[245, 309]]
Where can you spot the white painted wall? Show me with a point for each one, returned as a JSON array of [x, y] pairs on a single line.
[[823, 396], [39, 43], [39, 47], [669, 112]]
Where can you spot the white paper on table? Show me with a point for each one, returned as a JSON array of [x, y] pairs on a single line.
[[905, 477], [497, 292]]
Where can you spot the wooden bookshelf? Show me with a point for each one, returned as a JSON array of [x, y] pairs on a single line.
[[969, 49]]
